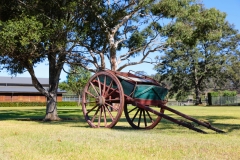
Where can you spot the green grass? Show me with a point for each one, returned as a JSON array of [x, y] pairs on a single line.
[[24, 136]]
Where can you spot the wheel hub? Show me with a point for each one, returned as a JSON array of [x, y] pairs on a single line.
[[101, 100]]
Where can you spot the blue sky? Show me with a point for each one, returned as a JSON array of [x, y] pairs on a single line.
[[230, 7]]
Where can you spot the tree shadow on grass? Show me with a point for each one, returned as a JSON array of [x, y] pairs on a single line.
[[73, 115], [38, 114], [21, 114]]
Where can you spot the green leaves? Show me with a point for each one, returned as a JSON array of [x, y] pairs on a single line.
[[21, 32], [224, 93], [190, 68], [137, 40], [20, 41], [191, 22], [171, 8], [35, 30], [76, 80]]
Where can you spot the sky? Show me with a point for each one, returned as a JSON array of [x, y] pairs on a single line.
[[230, 7]]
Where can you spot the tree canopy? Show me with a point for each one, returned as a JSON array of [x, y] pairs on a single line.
[[191, 68], [123, 30], [34, 31]]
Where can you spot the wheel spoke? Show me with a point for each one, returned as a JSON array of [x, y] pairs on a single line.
[[90, 94], [135, 115], [150, 117], [99, 117], [140, 116], [99, 86], [144, 116], [111, 93], [94, 116], [110, 114], [104, 116], [111, 106], [114, 108], [91, 109], [133, 109], [110, 86], [94, 89], [104, 86]]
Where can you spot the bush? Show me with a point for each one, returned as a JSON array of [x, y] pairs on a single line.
[[229, 93], [21, 104], [64, 104], [225, 93], [32, 104]]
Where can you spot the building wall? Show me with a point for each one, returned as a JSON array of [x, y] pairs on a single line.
[[25, 97]]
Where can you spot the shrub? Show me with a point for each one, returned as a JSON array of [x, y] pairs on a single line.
[[21, 104], [229, 93], [32, 104], [215, 94], [225, 93], [64, 104]]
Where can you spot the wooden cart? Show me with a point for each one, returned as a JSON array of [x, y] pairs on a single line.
[[143, 100]]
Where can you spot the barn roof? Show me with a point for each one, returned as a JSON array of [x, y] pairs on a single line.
[[22, 89], [22, 85], [22, 80]]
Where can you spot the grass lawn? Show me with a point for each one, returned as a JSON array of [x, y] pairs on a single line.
[[23, 136]]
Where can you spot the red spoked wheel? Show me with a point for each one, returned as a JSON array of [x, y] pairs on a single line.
[[139, 118], [103, 100]]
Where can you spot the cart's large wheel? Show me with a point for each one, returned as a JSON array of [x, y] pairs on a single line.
[[139, 118], [103, 100]]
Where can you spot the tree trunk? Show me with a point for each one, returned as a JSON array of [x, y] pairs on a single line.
[[51, 110], [79, 99], [113, 52], [198, 97], [197, 87], [55, 68], [113, 64]]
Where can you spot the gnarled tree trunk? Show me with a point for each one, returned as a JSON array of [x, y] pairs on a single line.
[[51, 109], [55, 68]]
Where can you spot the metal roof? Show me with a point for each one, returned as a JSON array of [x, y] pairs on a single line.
[[22, 89], [22, 85], [22, 80]]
